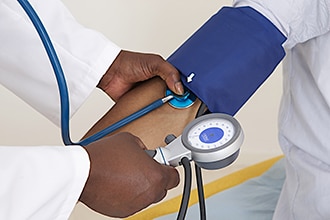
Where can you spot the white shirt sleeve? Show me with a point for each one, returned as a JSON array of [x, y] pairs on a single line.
[[85, 56], [298, 20], [41, 182], [46, 182]]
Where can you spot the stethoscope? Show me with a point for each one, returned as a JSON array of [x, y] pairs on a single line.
[[212, 140]]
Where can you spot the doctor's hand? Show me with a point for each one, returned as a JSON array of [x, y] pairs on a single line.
[[130, 68], [123, 179]]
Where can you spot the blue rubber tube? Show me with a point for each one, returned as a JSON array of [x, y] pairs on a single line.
[[63, 90], [61, 82], [123, 122]]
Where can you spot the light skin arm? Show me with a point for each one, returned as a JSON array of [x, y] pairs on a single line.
[[156, 125]]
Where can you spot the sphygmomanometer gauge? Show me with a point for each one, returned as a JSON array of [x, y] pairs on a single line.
[[214, 140]]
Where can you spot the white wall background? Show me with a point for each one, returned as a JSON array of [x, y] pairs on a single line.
[[158, 26]]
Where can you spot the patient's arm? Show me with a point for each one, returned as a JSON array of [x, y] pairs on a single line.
[[153, 127]]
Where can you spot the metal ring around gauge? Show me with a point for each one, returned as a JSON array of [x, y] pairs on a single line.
[[238, 131]]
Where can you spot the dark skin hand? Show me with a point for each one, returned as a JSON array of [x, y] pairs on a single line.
[[130, 68], [123, 179]]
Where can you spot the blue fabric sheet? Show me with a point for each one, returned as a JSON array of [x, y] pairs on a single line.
[[254, 199]]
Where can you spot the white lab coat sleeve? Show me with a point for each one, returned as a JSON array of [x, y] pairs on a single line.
[[85, 56], [46, 182], [41, 182], [298, 20]]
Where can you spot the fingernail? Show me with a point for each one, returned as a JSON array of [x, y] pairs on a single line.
[[179, 88]]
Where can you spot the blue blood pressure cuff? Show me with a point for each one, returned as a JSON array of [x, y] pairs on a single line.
[[229, 57]]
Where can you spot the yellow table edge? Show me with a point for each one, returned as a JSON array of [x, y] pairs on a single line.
[[223, 183]]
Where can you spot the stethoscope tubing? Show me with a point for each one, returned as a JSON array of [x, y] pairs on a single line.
[[63, 89]]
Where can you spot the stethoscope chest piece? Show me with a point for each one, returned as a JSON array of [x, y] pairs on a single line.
[[183, 101]]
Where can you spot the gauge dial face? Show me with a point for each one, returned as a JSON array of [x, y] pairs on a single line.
[[211, 133]]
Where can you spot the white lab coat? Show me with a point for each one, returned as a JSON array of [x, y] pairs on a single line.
[[304, 121], [45, 182]]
